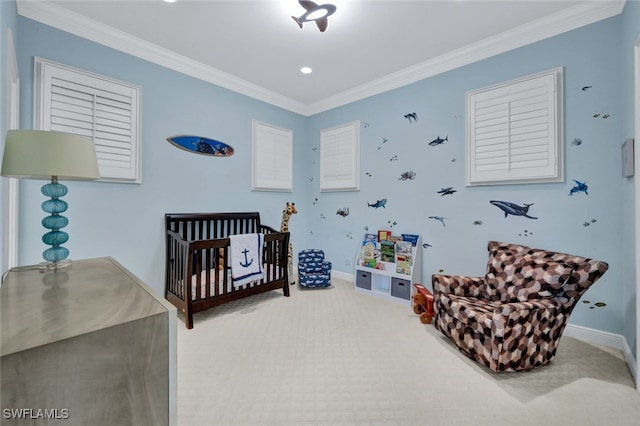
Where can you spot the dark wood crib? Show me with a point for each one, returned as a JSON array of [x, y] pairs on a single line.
[[197, 260]]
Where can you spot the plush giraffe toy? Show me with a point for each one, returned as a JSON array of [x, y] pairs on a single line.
[[284, 227]]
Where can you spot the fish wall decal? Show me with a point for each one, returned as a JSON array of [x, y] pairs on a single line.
[[447, 191], [579, 187], [410, 116], [378, 204], [437, 141], [439, 218]]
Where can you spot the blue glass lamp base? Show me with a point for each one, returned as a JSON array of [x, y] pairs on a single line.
[[55, 256]]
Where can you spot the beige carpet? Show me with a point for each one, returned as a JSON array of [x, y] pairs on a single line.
[[337, 357]]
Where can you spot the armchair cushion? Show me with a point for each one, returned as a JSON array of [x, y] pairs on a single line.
[[514, 277]]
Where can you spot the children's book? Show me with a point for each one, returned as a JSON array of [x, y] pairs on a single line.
[[404, 258], [387, 251], [412, 238]]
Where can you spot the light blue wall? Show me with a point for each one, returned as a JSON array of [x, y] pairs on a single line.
[[630, 36], [8, 16], [125, 221], [590, 57]]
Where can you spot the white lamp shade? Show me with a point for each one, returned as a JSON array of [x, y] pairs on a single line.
[[36, 154]]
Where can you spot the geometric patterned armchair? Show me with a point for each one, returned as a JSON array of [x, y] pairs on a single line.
[[313, 270], [512, 318]]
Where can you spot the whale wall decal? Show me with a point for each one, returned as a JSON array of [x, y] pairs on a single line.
[[513, 209]]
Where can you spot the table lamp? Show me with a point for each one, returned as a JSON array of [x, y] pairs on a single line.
[[34, 154]]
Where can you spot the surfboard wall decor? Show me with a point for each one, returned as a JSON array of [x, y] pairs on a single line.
[[201, 145]]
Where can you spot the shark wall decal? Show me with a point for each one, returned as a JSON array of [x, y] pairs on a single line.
[[513, 209]]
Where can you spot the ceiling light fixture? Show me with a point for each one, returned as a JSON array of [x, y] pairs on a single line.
[[306, 70], [316, 13]]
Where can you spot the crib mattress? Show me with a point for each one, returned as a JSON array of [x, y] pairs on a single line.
[[212, 283]]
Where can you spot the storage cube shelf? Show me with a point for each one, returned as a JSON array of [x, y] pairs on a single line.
[[387, 283]]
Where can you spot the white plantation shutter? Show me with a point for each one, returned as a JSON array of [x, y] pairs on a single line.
[[272, 158], [75, 101], [514, 131], [339, 158]]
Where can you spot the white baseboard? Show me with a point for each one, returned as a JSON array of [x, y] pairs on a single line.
[[343, 275], [604, 338], [584, 334]]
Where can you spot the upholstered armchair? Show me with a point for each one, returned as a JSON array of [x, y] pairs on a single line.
[[313, 270], [512, 318]]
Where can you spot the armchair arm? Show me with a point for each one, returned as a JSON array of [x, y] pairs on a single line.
[[545, 314], [326, 267], [458, 285]]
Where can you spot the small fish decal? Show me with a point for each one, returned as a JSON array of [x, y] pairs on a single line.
[[477, 222], [513, 209], [606, 116], [378, 204], [446, 191], [438, 141], [439, 218], [408, 175], [410, 116], [394, 158], [344, 212], [596, 115], [585, 88], [577, 142], [579, 187], [366, 125], [426, 245]]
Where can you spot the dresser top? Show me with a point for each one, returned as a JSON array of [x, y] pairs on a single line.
[[39, 308]]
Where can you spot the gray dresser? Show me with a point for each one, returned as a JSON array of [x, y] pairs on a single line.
[[92, 345]]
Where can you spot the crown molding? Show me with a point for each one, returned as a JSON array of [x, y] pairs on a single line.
[[558, 23], [81, 26]]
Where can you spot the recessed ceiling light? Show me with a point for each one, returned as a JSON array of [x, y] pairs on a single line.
[[169, 1], [306, 70]]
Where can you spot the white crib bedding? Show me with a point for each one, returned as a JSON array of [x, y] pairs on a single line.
[[212, 284]]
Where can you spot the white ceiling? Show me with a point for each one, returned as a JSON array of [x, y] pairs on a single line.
[[255, 48]]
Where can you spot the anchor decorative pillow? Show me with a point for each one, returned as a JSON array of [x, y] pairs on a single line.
[[246, 258]]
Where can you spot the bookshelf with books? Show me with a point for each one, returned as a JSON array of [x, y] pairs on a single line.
[[388, 265]]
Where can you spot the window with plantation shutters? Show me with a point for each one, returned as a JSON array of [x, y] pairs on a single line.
[[514, 131], [272, 158], [76, 101], [340, 158]]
